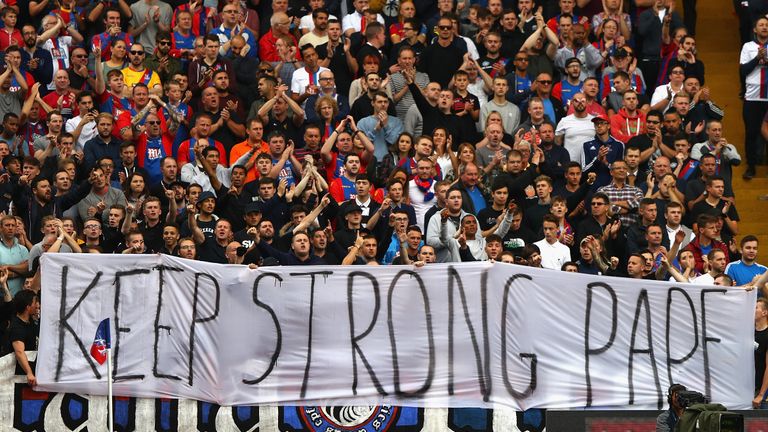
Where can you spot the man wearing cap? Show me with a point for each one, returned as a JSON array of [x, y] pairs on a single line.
[[352, 217], [599, 153], [202, 212], [251, 218], [621, 61], [575, 129], [571, 83]]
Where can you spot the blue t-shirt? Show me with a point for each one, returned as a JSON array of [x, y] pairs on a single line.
[[742, 273], [567, 90], [152, 159]]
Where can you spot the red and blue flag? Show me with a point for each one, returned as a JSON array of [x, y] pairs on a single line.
[[101, 342]]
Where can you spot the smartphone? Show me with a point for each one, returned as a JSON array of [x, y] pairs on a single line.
[[241, 251]]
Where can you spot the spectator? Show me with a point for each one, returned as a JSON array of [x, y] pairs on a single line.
[[444, 56], [624, 199], [553, 253], [726, 155], [705, 241], [578, 47], [746, 269], [510, 113], [629, 121], [571, 82], [574, 130], [443, 227], [380, 128], [23, 331]]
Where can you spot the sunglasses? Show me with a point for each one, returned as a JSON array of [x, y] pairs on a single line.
[[265, 70], [545, 82], [80, 56], [138, 53], [164, 42], [445, 27], [153, 122]]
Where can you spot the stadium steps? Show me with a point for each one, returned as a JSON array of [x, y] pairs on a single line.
[[718, 44]]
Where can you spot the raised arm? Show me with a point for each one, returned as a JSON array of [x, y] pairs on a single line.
[[325, 151], [308, 219], [128, 221], [672, 270], [353, 251], [53, 31], [197, 233]]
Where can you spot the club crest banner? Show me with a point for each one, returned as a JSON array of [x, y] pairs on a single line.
[[449, 335]]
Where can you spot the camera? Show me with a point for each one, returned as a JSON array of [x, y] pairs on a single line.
[[701, 415], [687, 398]]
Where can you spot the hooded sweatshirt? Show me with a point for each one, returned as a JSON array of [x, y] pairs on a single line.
[[624, 126]]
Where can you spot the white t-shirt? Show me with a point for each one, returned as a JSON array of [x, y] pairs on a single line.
[[354, 20], [308, 23], [301, 79], [575, 132], [704, 279], [89, 131], [755, 85], [553, 256]]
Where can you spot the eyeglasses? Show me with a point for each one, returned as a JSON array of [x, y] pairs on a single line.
[[677, 72], [138, 53], [80, 56], [164, 42], [153, 122], [326, 79], [445, 27], [106, 166], [267, 70], [597, 204], [545, 82]]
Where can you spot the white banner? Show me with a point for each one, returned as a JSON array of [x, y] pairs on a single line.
[[468, 335]]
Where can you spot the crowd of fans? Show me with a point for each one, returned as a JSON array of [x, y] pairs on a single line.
[[572, 135]]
